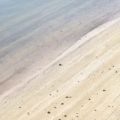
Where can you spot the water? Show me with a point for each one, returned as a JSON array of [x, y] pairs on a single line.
[[35, 32]]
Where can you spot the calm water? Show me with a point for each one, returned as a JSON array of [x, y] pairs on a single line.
[[35, 32]]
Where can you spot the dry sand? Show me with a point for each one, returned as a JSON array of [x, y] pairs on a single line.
[[82, 84]]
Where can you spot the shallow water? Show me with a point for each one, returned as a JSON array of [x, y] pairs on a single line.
[[33, 33]]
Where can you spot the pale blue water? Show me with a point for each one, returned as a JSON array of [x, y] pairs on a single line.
[[37, 31]]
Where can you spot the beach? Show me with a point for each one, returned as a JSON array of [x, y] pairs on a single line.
[[82, 84], [33, 34], [59, 60]]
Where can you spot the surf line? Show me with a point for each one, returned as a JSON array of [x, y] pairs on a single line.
[[79, 43]]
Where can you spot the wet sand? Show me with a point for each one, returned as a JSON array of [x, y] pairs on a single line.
[[81, 84]]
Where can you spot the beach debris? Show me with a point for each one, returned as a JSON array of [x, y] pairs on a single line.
[[68, 97], [104, 90], [65, 115], [62, 103], [113, 66], [48, 112], [60, 64], [89, 99], [19, 107]]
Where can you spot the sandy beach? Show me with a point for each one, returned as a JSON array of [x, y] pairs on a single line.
[[33, 34], [82, 84], [59, 60]]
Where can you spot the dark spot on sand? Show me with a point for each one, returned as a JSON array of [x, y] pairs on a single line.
[[104, 90], [60, 64], [19, 107], [59, 119], [113, 66], [65, 115], [62, 103], [28, 113], [95, 110], [48, 112], [89, 99], [68, 97], [55, 107]]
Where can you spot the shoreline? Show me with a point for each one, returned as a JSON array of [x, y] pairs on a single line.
[[84, 81], [79, 43]]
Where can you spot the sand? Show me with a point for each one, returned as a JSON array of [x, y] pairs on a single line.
[[81, 84]]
